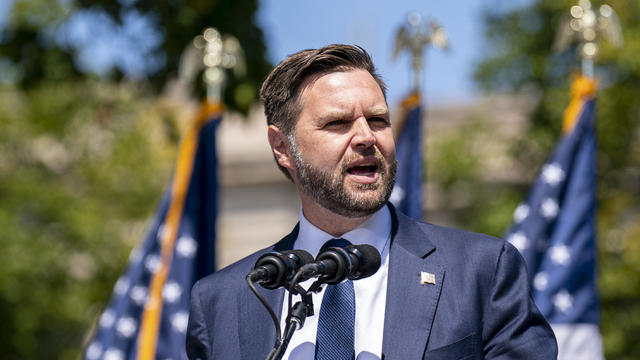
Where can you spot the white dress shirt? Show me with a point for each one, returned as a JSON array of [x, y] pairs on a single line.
[[370, 293]]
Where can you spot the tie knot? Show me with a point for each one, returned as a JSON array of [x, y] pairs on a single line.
[[341, 243]]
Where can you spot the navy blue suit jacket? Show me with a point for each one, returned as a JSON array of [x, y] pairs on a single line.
[[479, 307]]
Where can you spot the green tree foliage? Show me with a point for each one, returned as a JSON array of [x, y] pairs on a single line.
[[82, 165], [28, 53], [38, 44], [84, 159], [519, 59]]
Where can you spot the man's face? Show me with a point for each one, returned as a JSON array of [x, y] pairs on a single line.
[[343, 145]]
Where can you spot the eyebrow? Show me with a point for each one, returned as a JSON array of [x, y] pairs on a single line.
[[379, 111], [335, 115]]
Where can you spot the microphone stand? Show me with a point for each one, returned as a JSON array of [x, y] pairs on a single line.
[[296, 315], [295, 321]]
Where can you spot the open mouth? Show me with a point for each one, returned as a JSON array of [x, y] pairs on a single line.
[[363, 170]]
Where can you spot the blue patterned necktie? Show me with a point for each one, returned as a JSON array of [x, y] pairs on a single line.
[[335, 337]]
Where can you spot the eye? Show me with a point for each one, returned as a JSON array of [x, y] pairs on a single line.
[[378, 122], [335, 124]]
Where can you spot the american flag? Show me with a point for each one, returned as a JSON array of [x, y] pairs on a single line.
[[555, 231], [407, 192], [147, 315]]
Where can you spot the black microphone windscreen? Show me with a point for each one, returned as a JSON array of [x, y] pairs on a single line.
[[303, 256], [369, 260]]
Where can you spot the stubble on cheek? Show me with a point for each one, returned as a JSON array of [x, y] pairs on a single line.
[[334, 192]]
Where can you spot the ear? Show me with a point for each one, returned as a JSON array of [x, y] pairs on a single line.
[[280, 147]]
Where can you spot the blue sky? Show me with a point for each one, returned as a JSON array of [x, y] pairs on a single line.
[[4, 10], [291, 25]]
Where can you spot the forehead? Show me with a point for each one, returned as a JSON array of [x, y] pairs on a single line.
[[349, 92]]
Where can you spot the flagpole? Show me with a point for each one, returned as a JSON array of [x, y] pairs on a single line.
[[414, 37], [555, 228], [218, 53], [150, 324]]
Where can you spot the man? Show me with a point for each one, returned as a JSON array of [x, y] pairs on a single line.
[[439, 293]]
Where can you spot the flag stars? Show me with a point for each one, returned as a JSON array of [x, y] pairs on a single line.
[[107, 318], [552, 174], [94, 351], [540, 281], [521, 213], [152, 263], [135, 255], [549, 208], [519, 240], [113, 354], [560, 254], [179, 321], [127, 327], [563, 301], [121, 286], [186, 246], [172, 292], [139, 295]]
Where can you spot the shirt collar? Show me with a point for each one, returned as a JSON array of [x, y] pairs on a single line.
[[375, 232]]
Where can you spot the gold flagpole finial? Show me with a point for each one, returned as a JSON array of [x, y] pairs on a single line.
[[220, 52], [211, 53], [583, 25], [414, 37]]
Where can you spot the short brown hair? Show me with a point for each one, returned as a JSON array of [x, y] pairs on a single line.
[[281, 89]]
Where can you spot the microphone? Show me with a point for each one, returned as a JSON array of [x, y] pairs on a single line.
[[274, 269], [336, 264]]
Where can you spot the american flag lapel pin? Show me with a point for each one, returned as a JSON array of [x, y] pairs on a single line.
[[427, 278]]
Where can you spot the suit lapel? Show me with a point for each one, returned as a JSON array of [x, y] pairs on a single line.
[[255, 329], [411, 305]]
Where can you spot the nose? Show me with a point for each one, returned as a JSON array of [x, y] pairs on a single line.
[[363, 137]]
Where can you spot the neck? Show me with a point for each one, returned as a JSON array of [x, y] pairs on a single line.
[[334, 224]]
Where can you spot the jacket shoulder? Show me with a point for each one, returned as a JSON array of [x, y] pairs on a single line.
[[455, 241], [227, 280]]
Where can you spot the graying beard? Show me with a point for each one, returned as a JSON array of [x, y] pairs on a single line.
[[318, 185]]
